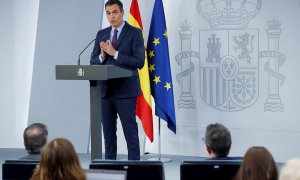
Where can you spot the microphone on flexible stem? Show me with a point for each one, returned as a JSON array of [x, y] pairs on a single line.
[[78, 63]]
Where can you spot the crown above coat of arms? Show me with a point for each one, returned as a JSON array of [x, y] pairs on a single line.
[[228, 13]]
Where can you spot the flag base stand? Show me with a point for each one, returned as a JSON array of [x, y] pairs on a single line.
[[159, 158], [164, 160]]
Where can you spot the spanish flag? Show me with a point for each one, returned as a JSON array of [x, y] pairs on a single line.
[[143, 108]]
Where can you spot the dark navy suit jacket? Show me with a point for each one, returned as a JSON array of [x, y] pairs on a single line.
[[227, 158], [131, 56]]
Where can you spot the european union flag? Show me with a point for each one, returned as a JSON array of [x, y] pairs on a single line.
[[159, 67]]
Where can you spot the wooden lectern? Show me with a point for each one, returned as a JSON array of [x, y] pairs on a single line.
[[93, 73]]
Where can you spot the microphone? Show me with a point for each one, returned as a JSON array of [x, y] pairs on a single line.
[[78, 63]]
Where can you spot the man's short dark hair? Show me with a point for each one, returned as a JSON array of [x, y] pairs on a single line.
[[218, 139], [35, 137], [112, 2]]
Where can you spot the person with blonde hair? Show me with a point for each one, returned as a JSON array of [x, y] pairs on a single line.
[[291, 170], [59, 161], [258, 164]]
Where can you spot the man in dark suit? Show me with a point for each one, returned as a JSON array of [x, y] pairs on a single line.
[[35, 137], [218, 142], [121, 45]]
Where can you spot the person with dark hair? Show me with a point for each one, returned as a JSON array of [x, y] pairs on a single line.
[[257, 164], [59, 161], [120, 45], [35, 137], [217, 141]]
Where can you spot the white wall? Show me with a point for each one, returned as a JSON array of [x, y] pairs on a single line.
[[64, 29], [18, 21]]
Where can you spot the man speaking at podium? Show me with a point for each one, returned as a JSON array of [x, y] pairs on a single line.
[[121, 45]]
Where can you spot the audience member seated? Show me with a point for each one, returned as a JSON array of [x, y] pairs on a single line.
[[59, 161], [291, 170], [218, 142], [35, 137], [258, 164]]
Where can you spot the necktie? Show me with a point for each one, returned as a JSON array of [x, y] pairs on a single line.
[[114, 38]]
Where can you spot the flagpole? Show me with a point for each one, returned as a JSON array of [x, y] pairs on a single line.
[[160, 72], [159, 141], [159, 147]]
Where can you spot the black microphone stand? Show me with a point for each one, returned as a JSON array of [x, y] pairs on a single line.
[[78, 63]]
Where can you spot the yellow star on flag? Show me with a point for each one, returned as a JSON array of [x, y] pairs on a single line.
[[167, 86], [156, 41], [166, 34], [151, 54], [157, 79], [151, 67]]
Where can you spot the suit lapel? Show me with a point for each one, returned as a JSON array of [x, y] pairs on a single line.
[[106, 35], [122, 35]]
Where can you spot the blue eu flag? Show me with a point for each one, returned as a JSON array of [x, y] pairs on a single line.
[[159, 67]]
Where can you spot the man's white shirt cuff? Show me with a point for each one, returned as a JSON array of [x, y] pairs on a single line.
[[116, 55]]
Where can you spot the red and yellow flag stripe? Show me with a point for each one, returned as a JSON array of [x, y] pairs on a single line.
[[143, 108]]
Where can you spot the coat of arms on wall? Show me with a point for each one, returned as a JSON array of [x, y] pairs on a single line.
[[229, 58]]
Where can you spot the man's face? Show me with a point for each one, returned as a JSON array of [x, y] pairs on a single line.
[[114, 15]]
